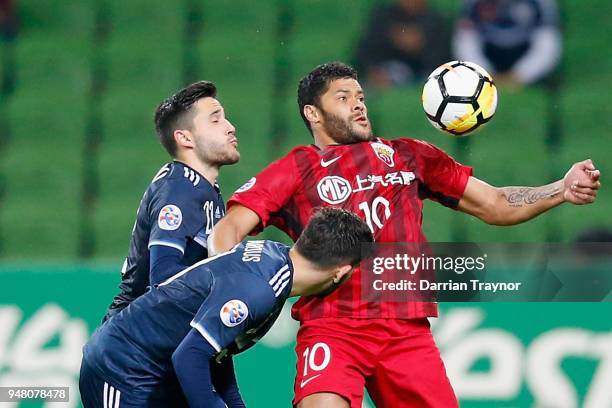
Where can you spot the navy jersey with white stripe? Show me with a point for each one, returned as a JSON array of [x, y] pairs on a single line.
[[231, 299], [178, 210]]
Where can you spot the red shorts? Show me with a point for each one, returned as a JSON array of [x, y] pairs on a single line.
[[396, 360]]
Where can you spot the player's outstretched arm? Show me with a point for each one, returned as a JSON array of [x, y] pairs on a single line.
[[513, 205], [231, 229]]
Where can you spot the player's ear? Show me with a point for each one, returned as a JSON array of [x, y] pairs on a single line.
[[341, 272], [183, 138], [312, 114]]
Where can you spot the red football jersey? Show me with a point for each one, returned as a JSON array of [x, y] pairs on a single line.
[[383, 181]]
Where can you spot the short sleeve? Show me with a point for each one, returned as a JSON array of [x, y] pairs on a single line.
[[176, 214], [268, 191], [237, 303], [443, 179]]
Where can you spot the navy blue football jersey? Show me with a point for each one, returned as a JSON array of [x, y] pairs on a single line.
[[231, 299], [178, 210]]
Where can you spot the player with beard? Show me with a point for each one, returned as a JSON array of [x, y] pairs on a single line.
[[183, 202], [346, 341]]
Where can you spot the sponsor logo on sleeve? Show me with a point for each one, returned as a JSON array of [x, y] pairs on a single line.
[[170, 218], [247, 185], [233, 313]]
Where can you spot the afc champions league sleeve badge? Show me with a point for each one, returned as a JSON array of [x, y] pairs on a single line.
[[233, 313], [170, 218]]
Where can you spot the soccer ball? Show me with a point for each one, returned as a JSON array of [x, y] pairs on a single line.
[[459, 97]]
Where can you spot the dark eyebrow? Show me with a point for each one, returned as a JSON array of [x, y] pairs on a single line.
[[348, 91], [216, 111]]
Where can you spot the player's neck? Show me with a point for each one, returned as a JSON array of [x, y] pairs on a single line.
[[209, 172], [305, 279], [322, 140], [298, 262]]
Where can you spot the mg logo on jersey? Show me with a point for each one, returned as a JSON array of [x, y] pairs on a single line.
[[334, 189], [384, 153], [233, 313]]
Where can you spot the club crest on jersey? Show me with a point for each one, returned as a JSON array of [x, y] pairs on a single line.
[[384, 153], [334, 189], [234, 312], [170, 218], [247, 185]]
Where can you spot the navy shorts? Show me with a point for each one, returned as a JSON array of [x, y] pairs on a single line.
[[97, 392]]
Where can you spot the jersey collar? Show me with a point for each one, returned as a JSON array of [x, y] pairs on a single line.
[[215, 185]]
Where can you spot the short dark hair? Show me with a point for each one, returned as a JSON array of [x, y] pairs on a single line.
[[333, 237], [170, 114], [316, 83]]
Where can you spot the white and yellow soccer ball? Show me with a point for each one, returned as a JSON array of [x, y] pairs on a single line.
[[459, 97]]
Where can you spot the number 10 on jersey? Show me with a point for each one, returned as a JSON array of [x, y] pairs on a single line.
[[379, 205]]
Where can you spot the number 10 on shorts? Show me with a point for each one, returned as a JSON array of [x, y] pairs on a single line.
[[311, 356]]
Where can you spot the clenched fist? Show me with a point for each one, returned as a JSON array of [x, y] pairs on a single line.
[[581, 183]]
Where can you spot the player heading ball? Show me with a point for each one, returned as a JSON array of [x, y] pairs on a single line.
[[190, 325]]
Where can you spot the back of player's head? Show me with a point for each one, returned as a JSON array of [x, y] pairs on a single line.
[[333, 237], [316, 83], [173, 112]]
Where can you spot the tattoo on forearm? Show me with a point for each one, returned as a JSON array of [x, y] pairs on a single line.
[[519, 196]]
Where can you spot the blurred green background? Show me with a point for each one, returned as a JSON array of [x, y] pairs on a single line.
[[82, 79], [79, 85]]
